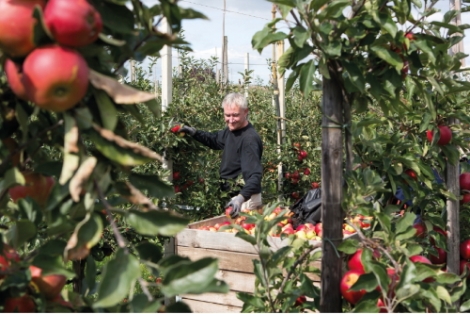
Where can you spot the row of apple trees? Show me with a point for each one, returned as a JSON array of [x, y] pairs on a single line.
[[196, 102], [400, 85], [70, 179]]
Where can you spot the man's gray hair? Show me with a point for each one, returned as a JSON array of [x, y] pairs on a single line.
[[235, 99]]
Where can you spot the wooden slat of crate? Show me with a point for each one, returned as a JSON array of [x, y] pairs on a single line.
[[240, 282], [233, 261], [209, 307], [213, 240]]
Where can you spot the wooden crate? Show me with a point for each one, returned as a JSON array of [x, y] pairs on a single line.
[[235, 263]]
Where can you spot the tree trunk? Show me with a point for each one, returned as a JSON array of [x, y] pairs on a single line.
[[332, 189], [79, 269]]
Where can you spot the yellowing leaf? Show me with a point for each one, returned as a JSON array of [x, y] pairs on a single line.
[[86, 234], [80, 178], [120, 93]]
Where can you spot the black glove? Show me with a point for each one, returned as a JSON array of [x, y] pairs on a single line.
[[236, 204], [188, 130]]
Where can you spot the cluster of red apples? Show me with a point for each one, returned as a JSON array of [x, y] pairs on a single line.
[[53, 76], [464, 180], [307, 231], [49, 286]]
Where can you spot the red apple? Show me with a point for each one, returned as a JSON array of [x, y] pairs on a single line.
[[176, 175], [348, 280], [8, 257], [420, 229], [300, 300], [287, 175], [175, 129], [17, 25], [73, 23], [381, 306], [50, 285], [52, 87], [410, 36], [464, 180], [465, 198], [294, 181], [228, 210], [306, 171], [441, 257], [445, 135], [420, 259], [315, 185], [303, 154], [23, 304], [412, 174], [319, 229], [355, 260], [295, 195], [296, 145], [14, 75], [465, 264], [295, 175], [37, 186], [465, 249]]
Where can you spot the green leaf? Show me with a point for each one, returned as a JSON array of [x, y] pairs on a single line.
[[307, 72], [366, 306], [120, 150], [301, 35], [355, 75], [20, 232], [265, 37], [119, 275], [188, 13], [348, 246], [443, 294], [245, 236], [465, 307], [108, 112], [156, 222], [366, 282], [259, 273], [152, 184], [141, 304], [149, 252], [193, 278], [87, 234], [388, 56], [52, 264], [117, 18], [405, 223], [178, 307]]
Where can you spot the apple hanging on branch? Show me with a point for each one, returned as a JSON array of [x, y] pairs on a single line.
[[445, 135]]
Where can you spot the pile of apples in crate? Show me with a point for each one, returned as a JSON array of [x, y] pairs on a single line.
[[307, 231]]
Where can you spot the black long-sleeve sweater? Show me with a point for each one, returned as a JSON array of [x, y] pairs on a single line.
[[242, 151]]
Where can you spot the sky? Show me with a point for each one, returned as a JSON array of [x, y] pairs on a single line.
[[243, 18]]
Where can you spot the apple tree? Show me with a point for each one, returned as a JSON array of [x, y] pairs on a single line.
[[69, 171], [389, 85]]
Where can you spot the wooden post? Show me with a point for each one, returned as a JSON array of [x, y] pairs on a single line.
[[332, 192], [452, 181], [132, 70]]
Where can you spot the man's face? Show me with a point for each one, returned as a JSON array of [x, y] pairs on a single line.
[[235, 117]]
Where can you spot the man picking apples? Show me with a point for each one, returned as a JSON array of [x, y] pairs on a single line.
[[242, 150]]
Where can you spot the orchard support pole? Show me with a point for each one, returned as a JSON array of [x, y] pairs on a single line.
[[452, 180], [247, 68], [332, 192], [167, 98]]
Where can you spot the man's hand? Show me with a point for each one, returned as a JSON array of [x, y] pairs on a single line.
[[188, 130], [236, 204]]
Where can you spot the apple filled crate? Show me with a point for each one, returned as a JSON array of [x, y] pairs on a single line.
[[235, 262]]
